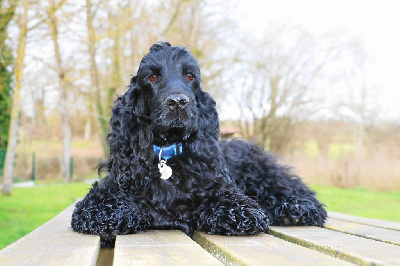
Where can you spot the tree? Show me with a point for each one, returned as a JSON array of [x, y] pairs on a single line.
[[102, 55], [7, 10], [361, 102], [95, 90], [195, 24], [114, 33], [22, 21], [278, 86], [63, 101], [16, 107]]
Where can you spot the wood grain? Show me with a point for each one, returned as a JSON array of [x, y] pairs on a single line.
[[261, 249], [367, 231], [160, 248], [352, 248], [363, 220]]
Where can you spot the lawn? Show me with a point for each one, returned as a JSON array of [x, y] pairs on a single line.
[[361, 202], [28, 208]]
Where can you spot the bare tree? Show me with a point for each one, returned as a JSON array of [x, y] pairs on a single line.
[[63, 102], [95, 90], [110, 29], [115, 75], [7, 10], [109, 48], [278, 85], [361, 102], [195, 24], [18, 67]]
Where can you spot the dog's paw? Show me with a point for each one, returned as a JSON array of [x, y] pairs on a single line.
[[233, 220], [293, 212]]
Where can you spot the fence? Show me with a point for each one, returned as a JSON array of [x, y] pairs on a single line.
[[30, 166]]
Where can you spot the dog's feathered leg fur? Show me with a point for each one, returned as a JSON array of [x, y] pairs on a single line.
[[280, 193], [229, 212], [108, 211], [222, 208]]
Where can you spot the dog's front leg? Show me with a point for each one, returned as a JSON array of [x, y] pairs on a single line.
[[107, 214], [230, 213]]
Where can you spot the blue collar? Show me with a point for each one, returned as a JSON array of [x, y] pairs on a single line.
[[168, 152]]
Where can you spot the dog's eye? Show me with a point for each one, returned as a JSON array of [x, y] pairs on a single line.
[[189, 76], [153, 77]]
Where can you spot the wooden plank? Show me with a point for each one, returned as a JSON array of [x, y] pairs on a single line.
[[363, 220], [53, 243], [344, 246], [160, 248], [105, 257], [368, 231], [260, 250]]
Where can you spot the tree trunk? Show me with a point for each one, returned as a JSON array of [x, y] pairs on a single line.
[[94, 77], [116, 79], [65, 124], [16, 107]]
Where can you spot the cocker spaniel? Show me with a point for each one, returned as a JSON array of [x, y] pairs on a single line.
[[167, 169]]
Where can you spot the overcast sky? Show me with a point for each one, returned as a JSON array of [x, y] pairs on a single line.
[[376, 23]]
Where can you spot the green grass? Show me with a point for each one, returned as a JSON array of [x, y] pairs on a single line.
[[361, 202], [28, 208]]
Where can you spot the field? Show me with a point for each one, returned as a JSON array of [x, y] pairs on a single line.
[[86, 155], [28, 208], [341, 166], [376, 169], [361, 202]]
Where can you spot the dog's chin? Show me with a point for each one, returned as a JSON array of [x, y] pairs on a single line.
[[174, 132]]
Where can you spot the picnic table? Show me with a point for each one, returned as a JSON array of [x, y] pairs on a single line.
[[346, 239]]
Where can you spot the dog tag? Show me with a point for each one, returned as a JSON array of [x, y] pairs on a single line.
[[165, 170]]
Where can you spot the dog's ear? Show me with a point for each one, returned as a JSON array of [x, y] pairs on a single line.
[[207, 142], [208, 116], [130, 139], [135, 96]]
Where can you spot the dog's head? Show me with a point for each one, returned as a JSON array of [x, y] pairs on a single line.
[[169, 82], [164, 105]]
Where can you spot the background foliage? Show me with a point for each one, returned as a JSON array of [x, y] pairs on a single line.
[[277, 87]]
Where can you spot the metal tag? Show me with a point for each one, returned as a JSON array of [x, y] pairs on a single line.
[[165, 170]]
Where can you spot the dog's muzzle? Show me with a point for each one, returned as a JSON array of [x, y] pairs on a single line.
[[175, 119], [178, 109]]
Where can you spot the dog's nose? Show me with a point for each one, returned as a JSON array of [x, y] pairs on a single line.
[[177, 101]]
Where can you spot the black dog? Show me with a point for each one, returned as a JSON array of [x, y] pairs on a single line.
[[168, 170]]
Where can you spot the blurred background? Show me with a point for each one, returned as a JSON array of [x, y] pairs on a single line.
[[315, 82]]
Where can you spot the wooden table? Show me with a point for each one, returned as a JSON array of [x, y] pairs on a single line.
[[345, 239]]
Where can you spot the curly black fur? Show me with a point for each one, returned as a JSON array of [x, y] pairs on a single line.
[[219, 187]]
